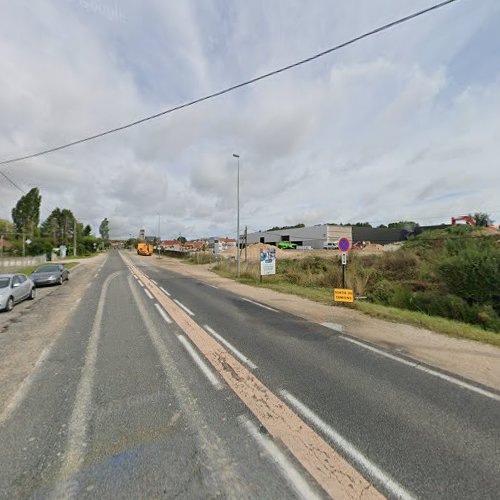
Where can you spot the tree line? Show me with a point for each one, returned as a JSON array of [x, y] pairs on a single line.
[[26, 231]]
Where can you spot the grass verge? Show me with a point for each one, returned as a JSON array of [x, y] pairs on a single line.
[[434, 323]]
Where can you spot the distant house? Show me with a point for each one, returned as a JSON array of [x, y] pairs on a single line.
[[196, 245], [172, 245]]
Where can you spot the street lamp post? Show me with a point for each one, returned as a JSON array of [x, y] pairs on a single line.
[[238, 218]]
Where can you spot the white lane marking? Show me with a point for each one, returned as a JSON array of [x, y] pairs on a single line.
[[153, 281], [148, 293], [333, 326], [180, 304], [163, 314], [231, 347], [201, 364], [80, 416], [260, 305], [164, 291], [140, 283], [25, 386], [417, 366], [213, 286], [96, 274], [346, 447], [295, 479]]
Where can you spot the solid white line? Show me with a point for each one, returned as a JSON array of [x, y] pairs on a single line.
[[153, 281], [180, 304], [25, 386], [417, 366], [148, 293], [201, 364], [163, 313], [140, 283], [164, 291], [297, 482], [231, 347], [260, 305], [333, 326], [346, 447], [80, 416]]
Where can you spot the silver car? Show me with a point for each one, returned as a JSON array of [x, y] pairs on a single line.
[[50, 274], [15, 288]]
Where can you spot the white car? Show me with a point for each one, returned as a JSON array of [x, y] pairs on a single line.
[[330, 245], [15, 288]]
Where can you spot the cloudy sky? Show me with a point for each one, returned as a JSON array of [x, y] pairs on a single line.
[[404, 125]]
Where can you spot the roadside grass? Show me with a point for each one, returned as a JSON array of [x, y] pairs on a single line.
[[324, 295], [435, 323]]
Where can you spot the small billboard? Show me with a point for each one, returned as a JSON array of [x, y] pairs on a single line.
[[267, 261]]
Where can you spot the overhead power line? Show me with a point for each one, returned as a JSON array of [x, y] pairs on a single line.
[[233, 87], [5, 176]]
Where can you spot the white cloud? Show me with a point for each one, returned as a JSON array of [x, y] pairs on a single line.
[[383, 130]]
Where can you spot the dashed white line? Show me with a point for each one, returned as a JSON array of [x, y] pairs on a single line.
[[164, 291], [96, 274], [213, 286], [201, 364], [295, 479], [260, 305], [148, 293], [163, 314], [333, 326], [181, 305], [350, 450], [153, 281], [140, 283], [231, 347], [435, 373]]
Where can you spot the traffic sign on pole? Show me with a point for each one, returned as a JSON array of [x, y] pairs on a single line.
[[344, 244]]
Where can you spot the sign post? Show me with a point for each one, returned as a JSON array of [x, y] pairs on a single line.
[[344, 245], [343, 294], [267, 262]]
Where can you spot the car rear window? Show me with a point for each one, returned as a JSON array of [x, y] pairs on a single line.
[[47, 269]]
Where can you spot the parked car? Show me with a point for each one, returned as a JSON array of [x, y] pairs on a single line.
[[15, 288], [50, 274], [330, 245]]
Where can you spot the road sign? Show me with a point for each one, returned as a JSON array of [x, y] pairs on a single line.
[[343, 295], [344, 258], [344, 244]]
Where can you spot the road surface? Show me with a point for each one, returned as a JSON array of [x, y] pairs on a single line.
[[162, 386]]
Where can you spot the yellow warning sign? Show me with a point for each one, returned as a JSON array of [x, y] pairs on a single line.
[[343, 295]]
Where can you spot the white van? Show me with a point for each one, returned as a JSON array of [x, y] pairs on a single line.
[[330, 245]]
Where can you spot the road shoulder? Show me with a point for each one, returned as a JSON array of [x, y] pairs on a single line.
[[472, 360]]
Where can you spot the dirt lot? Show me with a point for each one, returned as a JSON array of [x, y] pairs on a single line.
[[472, 360]]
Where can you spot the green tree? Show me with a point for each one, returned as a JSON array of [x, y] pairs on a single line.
[[87, 230], [482, 219], [181, 239], [6, 227], [104, 230], [26, 213], [59, 226], [403, 224]]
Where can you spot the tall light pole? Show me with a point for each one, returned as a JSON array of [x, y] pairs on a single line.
[[158, 243], [238, 218]]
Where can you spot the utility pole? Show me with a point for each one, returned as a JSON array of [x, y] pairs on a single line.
[[158, 244], [238, 258], [246, 242], [1, 245], [74, 238], [24, 245]]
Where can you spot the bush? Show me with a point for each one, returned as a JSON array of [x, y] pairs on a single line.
[[473, 275]]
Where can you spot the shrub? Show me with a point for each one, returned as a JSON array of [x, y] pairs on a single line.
[[473, 275]]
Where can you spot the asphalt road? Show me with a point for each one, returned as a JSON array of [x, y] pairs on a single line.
[[126, 406]]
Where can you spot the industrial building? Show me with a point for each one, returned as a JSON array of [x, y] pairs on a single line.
[[317, 236]]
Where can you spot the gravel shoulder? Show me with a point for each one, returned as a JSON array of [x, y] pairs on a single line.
[[33, 326], [472, 360]]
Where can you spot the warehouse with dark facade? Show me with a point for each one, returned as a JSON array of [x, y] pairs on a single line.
[[320, 235]]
